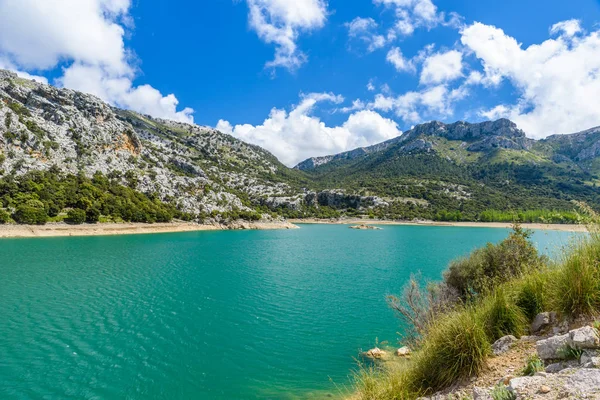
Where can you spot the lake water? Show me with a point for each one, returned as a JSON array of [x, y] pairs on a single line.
[[209, 315]]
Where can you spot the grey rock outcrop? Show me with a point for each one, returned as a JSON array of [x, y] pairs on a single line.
[[503, 344]]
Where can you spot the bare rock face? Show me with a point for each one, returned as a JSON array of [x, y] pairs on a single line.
[[568, 384], [199, 168]]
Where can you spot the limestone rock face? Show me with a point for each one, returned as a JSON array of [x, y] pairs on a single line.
[[568, 384], [199, 168]]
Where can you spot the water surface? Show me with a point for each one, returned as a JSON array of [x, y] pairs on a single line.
[[209, 315]]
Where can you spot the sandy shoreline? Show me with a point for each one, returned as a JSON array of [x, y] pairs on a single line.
[[62, 229], [536, 226]]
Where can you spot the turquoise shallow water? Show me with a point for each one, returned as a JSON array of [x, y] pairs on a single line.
[[209, 315]]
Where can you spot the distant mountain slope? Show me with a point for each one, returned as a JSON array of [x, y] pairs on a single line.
[[469, 168], [435, 170]]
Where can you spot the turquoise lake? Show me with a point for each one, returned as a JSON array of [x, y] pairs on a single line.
[[210, 315]]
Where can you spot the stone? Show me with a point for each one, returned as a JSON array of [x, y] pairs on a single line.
[[551, 348], [559, 366], [480, 393], [403, 351], [542, 321], [375, 353], [584, 338], [545, 389], [584, 382], [503, 344]]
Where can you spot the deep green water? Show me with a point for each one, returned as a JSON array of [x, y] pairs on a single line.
[[208, 315]]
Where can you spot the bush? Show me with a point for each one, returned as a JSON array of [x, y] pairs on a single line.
[[534, 364], [76, 216], [31, 212], [500, 316], [454, 348], [92, 215], [487, 267], [4, 216]]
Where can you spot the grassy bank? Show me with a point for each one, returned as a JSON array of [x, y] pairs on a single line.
[[495, 291]]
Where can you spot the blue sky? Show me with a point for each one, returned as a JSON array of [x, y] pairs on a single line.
[[347, 73]]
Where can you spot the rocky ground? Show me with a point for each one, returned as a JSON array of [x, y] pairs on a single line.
[[560, 361]]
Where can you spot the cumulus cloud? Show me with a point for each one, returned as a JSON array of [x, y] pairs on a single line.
[[413, 14], [87, 36], [402, 64], [296, 135], [442, 67], [280, 22], [558, 79], [365, 31], [415, 106]]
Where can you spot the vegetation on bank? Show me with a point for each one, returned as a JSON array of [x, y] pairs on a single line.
[[39, 197], [495, 291]]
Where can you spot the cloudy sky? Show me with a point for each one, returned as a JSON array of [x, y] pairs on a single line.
[[314, 77]]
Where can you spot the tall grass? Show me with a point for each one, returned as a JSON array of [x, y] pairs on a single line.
[[500, 315], [455, 348], [456, 341]]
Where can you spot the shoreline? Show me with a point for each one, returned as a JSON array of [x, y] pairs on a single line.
[[504, 225], [111, 229]]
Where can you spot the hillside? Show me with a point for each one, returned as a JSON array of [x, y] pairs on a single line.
[[62, 150], [437, 169], [65, 133]]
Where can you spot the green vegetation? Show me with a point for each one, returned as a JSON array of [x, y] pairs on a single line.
[[76, 216], [36, 196], [534, 364], [501, 392], [495, 291]]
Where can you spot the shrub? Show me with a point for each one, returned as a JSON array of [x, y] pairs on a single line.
[[454, 348], [383, 383], [76, 216], [32, 212], [92, 215], [487, 267], [4, 216], [500, 316]]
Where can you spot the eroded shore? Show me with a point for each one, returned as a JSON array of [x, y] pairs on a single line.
[[62, 229]]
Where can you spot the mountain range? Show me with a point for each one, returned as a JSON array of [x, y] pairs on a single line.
[[435, 170]]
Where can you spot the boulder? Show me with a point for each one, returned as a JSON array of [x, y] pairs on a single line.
[[403, 352], [503, 344], [375, 353], [584, 338], [551, 348], [542, 321]]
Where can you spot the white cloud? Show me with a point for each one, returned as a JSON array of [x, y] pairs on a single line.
[[370, 86], [558, 79], [413, 14], [87, 36], [395, 57], [365, 30], [415, 106], [296, 135], [442, 67], [568, 28], [280, 22]]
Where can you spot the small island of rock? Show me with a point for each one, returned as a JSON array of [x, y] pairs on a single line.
[[364, 226]]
